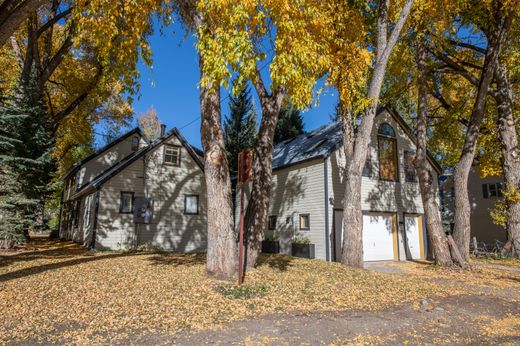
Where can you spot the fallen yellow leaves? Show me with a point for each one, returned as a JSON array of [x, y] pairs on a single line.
[[61, 293]]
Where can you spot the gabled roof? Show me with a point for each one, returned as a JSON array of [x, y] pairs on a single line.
[[118, 167], [323, 141], [78, 164]]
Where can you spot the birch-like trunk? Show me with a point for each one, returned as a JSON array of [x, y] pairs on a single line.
[[425, 174], [352, 253], [511, 154], [462, 230], [221, 258]]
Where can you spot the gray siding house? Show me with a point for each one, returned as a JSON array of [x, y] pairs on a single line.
[[483, 195], [307, 192], [134, 192]]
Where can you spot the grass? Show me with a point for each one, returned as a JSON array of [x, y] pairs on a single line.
[[58, 292]]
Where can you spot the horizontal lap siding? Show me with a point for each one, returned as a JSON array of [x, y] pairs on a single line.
[[170, 229], [299, 189], [116, 230]]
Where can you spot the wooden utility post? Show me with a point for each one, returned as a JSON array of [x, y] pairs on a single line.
[[245, 174]]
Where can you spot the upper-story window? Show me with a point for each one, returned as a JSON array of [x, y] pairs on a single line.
[[367, 168], [172, 155], [409, 167], [387, 145], [492, 190], [135, 143]]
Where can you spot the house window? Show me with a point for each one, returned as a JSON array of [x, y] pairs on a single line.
[[271, 223], [492, 190], [387, 146], [172, 155], [367, 169], [305, 222], [191, 204], [409, 168], [126, 205], [135, 143], [86, 213]]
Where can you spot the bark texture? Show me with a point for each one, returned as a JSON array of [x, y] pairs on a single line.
[[462, 230], [221, 260], [511, 154], [13, 13], [258, 204], [356, 145], [426, 176]]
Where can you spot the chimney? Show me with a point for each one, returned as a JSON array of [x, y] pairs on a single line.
[[163, 130]]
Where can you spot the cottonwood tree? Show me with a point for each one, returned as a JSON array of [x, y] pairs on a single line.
[[248, 38], [150, 124], [343, 75], [494, 20]]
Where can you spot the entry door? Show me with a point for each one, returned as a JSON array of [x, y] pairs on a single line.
[[413, 229], [338, 234], [378, 240]]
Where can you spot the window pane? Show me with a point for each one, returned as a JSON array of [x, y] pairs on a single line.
[[126, 202], [191, 205], [367, 169], [171, 155], [272, 222], [492, 190], [387, 159], [386, 130], [409, 168], [304, 221]]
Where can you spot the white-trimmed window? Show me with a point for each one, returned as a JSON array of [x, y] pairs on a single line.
[[172, 155], [492, 190], [305, 222], [191, 204], [126, 205], [135, 143]]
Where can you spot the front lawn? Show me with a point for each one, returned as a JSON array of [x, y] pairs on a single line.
[[58, 292]]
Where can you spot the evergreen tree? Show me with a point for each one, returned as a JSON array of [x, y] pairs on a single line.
[[239, 127], [26, 164], [290, 123]]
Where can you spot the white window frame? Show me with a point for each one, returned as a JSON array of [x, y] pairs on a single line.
[[86, 212]]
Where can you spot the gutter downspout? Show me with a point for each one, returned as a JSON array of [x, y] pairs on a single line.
[[327, 231], [94, 226]]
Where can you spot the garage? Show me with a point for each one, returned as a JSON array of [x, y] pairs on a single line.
[[379, 237], [413, 226]]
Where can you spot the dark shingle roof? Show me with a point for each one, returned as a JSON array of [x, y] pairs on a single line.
[[318, 143]]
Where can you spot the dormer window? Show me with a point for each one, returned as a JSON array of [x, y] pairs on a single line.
[[135, 143], [172, 155], [387, 145]]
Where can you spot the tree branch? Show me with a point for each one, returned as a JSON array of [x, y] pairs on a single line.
[[54, 20]]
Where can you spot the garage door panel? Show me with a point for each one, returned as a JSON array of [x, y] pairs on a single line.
[[378, 241], [414, 238]]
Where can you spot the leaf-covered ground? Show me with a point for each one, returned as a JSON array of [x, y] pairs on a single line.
[[59, 293]]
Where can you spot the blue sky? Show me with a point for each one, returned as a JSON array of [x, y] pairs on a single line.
[[171, 87]]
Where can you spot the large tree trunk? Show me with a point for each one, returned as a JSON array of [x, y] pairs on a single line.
[[511, 153], [12, 15], [221, 259], [426, 176], [352, 253], [258, 204], [462, 230]]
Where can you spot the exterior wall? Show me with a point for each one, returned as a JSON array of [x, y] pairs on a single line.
[[170, 229], [296, 190], [105, 160], [399, 197], [482, 227]]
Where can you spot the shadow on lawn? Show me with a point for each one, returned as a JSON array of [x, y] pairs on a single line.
[[177, 259], [275, 261]]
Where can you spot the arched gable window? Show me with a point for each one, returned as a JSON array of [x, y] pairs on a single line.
[[387, 145]]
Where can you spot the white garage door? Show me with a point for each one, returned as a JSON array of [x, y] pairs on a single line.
[[378, 244], [413, 236]]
